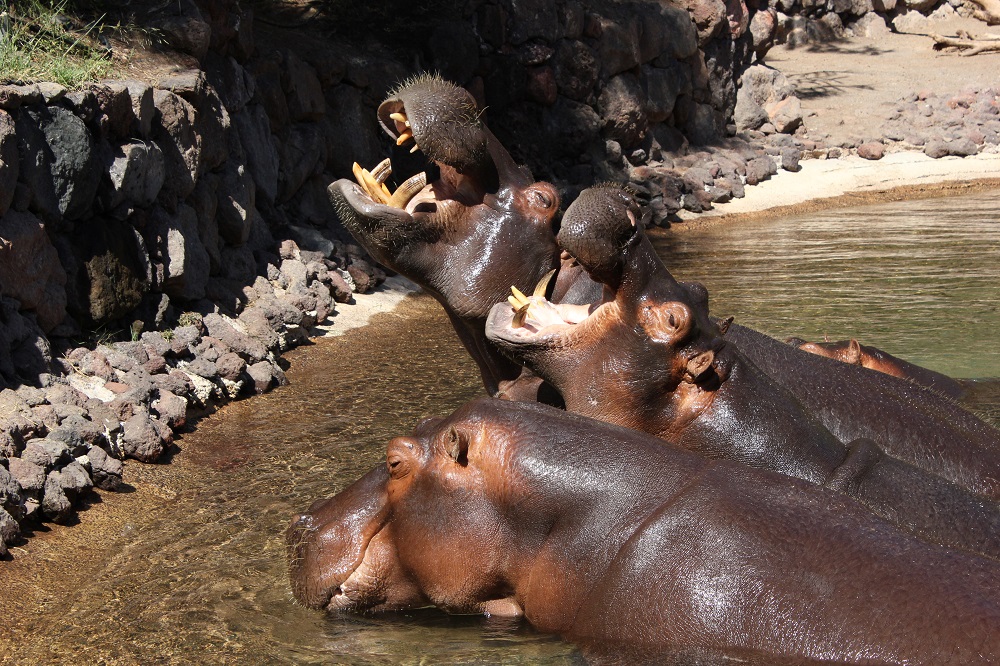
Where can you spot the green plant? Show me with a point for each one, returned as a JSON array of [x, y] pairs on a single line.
[[168, 334], [40, 42], [189, 319]]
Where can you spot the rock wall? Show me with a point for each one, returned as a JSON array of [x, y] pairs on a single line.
[[184, 226]]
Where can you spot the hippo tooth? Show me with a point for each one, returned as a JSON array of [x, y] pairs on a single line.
[[382, 170], [415, 148], [369, 184], [408, 190], [543, 284], [514, 303], [518, 295], [519, 316], [401, 117], [404, 136]]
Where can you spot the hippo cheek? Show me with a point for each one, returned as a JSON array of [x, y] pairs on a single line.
[[379, 583]]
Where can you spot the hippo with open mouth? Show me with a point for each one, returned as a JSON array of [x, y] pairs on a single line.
[[647, 360], [608, 537], [466, 226]]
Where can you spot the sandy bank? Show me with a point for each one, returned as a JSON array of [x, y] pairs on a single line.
[[854, 181], [359, 313]]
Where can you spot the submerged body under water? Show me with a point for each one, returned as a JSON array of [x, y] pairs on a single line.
[[190, 566]]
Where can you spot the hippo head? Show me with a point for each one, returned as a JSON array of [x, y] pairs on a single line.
[[466, 225], [648, 335], [419, 530]]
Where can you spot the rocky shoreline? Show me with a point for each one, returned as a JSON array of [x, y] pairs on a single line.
[[191, 216]]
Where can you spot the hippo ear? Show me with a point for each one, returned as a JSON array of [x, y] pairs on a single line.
[[456, 445], [666, 322], [853, 354]]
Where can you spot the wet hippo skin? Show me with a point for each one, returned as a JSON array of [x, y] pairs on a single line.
[[482, 225], [650, 358], [469, 226], [612, 539]]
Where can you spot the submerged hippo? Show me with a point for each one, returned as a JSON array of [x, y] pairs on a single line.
[[608, 537], [467, 227], [650, 361], [854, 353]]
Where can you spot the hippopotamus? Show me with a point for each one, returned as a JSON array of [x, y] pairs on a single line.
[[465, 228], [649, 361], [482, 225], [604, 535], [873, 358]]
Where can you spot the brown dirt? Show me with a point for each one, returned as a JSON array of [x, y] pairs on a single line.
[[848, 87]]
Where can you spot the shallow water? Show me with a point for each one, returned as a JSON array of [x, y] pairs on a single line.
[[190, 568], [919, 279]]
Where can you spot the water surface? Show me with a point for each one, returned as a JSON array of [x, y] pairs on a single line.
[[190, 566]]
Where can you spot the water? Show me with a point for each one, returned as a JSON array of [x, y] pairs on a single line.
[[189, 566], [919, 279]]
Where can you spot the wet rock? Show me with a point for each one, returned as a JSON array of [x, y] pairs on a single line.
[[170, 408], [11, 498], [105, 471], [9, 531], [46, 453], [141, 440]]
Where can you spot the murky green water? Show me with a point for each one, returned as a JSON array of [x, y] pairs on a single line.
[[190, 568]]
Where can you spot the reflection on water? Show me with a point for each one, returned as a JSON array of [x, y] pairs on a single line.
[[190, 567], [919, 279]]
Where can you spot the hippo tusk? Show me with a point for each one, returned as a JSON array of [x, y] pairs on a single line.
[[376, 190], [543, 284], [408, 190], [518, 294], [400, 117], [382, 171], [519, 316], [404, 136]]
